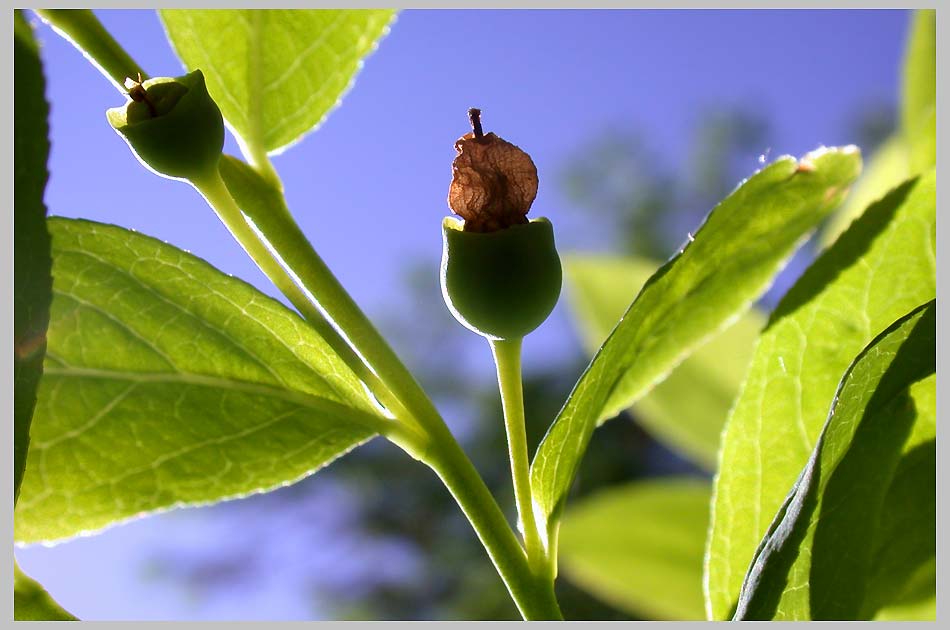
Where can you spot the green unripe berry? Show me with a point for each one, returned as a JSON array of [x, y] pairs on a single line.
[[172, 125], [500, 284], [501, 275]]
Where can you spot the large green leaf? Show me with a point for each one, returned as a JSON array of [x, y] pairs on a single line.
[[734, 256], [32, 282], [167, 383], [917, 600], [922, 610], [640, 546], [886, 169], [879, 269], [688, 409], [919, 91], [31, 602], [816, 561], [902, 578], [275, 74]]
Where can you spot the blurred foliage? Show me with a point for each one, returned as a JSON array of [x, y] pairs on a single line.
[[400, 502], [874, 124], [616, 179], [644, 204]]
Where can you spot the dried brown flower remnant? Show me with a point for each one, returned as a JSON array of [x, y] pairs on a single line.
[[138, 93], [493, 182]]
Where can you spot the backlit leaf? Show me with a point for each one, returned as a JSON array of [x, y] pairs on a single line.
[[715, 278], [887, 169], [917, 600], [170, 383], [911, 150], [817, 562], [881, 268], [919, 91], [640, 546], [31, 265], [31, 602], [687, 410], [275, 74]]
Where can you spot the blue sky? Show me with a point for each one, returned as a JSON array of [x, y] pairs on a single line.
[[369, 186]]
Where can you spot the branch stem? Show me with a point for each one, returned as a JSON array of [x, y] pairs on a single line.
[[84, 31], [322, 291], [216, 193], [427, 438], [532, 594], [283, 253]]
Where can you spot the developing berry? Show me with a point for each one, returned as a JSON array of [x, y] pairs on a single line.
[[172, 125], [501, 275]]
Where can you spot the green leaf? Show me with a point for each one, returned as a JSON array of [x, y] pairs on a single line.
[[31, 602], [919, 91], [260, 201], [886, 169], [879, 269], [169, 383], [917, 600], [687, 410], [31, 266], [640, 546], [906, 543], [734, 256], [275, 74], [816, 561], [923, 610]]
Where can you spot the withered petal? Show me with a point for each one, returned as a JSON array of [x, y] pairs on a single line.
[[493, 184]]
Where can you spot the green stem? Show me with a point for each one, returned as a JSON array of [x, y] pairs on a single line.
[[439, 449], [507, 355], [285, 237], [257, 157], [84, 30], [254, 148], [216, 193], [533, 596], [288, 258]]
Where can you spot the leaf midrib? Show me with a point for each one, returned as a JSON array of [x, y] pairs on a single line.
[[221, 332], [373, 422], [255, 108]]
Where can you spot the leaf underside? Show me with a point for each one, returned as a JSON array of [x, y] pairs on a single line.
[[688, 409], [32, 281], [170, 383], [275, 74], [882, 267], [818, 560], [639, 546], [731, 260]]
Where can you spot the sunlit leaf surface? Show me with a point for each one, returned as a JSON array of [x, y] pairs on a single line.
[[687, 410], [168, 382], [275, 74], [817, 562], [880, 269], [639, 546], [727, 264]]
